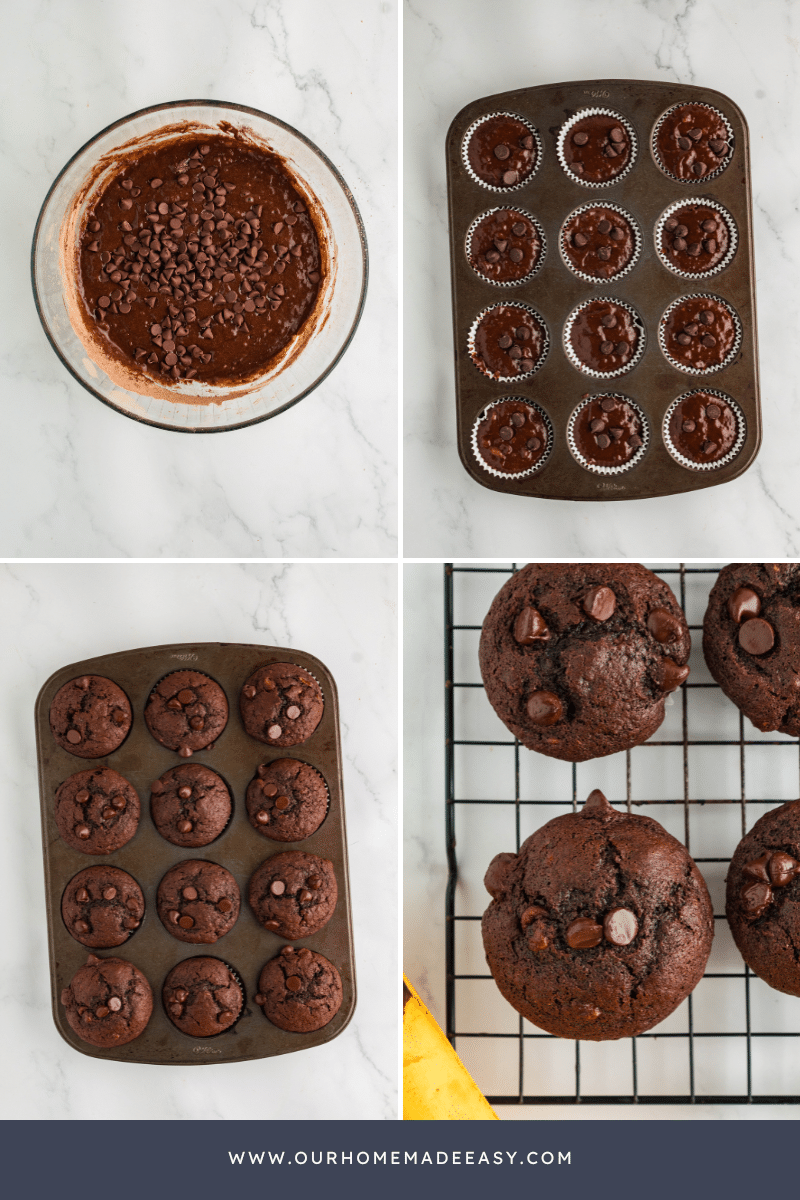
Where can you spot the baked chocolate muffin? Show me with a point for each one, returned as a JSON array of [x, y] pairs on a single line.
[[299, 990], [293, 894], [90, 716], [190, 805], [97, 811], [198, 901], [751, 642], [108, 1001], [287, 801], [502, 151], [578, 658], [102, 906], [281, 704], [202, 997], [504, 246], [763, 899], [600, 926], [186, 711]]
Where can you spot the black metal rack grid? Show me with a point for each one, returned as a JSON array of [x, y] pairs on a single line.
[[527, 1037]]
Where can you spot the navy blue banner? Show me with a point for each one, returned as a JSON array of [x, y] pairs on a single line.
[[584, 1160]]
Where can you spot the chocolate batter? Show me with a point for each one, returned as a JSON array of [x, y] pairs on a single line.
[[502, 151], [703, 427], [692, 142], [699, 332], [605, 336], [512, 437], [597, 148], [509, 342], [695, 239], [608, 431], [505, 246], [599, 242], [199, 261]]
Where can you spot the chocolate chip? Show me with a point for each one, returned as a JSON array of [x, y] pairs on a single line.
[[616, 134], [109, 893], [262, 817], [526, 142], [189, 893], [599, 603], [683, 339], [544, 708], [664, 625], [744, 603], [603, 226], [578, 239], [620, 926], [294, 983], [185, 827], [606, 348], [718, 146], [533, 443], [118, 801], [712, 410], [185, 792], [679, 244], [274, 731], [518, 228], [506, 433], [501, 151], [670, 675], [756, 636], [82, 796], [634, 441], [83, 832], [313, 881], [102, 1011], [504, 341], [186, 922], [81, 927], [708, 447], [277, 887], [671, 223], [688, 426], [82, 895], [517, 419], [249, 691], [114, 1003], [225, 905], [755, 898], [684, 143], [270, 789], [515, 255], [694, 248], [622, 349], [156, 183], [580, 138], [710, 246], [699, 168], [782, 868], [73, 737], [530, 627], [583, 933], [510, 177]]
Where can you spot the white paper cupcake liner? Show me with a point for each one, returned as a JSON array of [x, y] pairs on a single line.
[[537, 466], [597, 112], [733, 236], [572, 356], [729, 357], [637, 237], [594, 467], [545, 341], [701, 178], [502, 191], [537, 266], [689, 463]]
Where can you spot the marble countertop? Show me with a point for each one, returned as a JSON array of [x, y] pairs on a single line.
[[458, 50], [346, 616], [82, 481]]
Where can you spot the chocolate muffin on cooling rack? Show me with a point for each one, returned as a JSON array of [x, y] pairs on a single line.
[[600, 926], [578, 658]]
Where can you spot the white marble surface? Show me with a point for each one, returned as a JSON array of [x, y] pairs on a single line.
[[346, 615], [80, 480], [459, 50], [482, 831]]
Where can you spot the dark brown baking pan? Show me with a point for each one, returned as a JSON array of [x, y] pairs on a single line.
[[235, 756], [645, 191]]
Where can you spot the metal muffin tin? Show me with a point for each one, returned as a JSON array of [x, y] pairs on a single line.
[[147, 856], [645, 191]]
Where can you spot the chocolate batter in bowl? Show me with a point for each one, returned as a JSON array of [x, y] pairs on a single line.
[[199, 266]]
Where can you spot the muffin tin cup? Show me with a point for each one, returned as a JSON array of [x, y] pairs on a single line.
[[597, 112], [514, 187], [537, 466], [648, 287], [729, 357], [735, 449], [594, 279], [693, 277], [240, 849], [471, 350], [572, 356], [537, 266], [595, 468], [702, 178]]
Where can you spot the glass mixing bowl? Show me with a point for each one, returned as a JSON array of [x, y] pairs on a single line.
[[328, 331]]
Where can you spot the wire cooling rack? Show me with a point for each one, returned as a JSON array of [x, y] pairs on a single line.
[[707, 775]]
